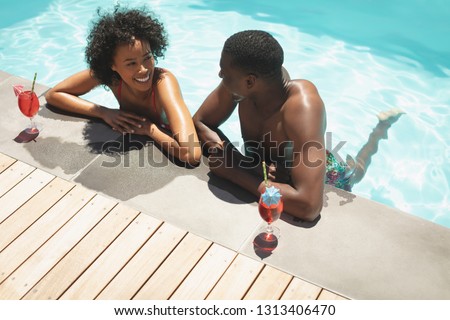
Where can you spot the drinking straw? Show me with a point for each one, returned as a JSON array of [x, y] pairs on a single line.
[[264, 172], [34, 80]]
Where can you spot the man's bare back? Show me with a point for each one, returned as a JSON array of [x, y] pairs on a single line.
[[265, 136]]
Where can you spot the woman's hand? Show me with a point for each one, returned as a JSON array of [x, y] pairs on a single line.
[[122, 121]]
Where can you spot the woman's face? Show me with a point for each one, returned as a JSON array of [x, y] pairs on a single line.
[[135, 64]]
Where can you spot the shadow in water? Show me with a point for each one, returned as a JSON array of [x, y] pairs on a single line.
[[343, 21], [15, 13]]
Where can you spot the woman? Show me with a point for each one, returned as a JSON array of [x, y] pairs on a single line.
[[122, 48]]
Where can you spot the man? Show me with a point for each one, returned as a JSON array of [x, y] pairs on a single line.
[[282, 122]]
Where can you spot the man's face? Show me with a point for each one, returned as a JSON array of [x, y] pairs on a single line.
[[233, 78]]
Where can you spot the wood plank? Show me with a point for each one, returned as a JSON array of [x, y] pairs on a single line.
[[270, 285], [206, 274], [22, 192], [5, 162], [29, 241], [32, 210], [83, 254], [170, 274], [301, 290], [327, 295], [133, 276], [13, 175], [104, 269], [237, 279], [35, 267]]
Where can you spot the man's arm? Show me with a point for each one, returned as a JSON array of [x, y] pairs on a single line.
[[214, 111], [304, 122]]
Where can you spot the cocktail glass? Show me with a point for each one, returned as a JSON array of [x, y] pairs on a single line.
[[29, 105], [270, 207]]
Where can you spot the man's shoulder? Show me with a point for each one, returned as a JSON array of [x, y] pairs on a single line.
[[302, 87], [302, 96], [303, 107]]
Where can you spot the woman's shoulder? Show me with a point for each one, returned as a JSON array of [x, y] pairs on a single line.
[[164, 76], [163, 72]]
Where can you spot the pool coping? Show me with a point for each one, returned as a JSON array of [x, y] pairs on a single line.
[[358, 248]]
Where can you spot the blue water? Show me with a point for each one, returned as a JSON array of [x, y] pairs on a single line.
[[364, 57]]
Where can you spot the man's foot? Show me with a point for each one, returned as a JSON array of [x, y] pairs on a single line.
[[387, 118], [390, 116]]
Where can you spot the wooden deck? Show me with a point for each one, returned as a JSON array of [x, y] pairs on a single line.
[[59, 240]]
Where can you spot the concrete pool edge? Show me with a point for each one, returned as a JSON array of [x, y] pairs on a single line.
[[359, 248]]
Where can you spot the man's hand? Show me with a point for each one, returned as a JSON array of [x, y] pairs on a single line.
[[145, 128], [224, 161], [272, 173], [213, 147], [280, 175], [219, 161]]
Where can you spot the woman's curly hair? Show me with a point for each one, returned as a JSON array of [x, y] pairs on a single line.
[[122, 26]]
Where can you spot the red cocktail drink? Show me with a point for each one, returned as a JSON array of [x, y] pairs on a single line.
[[29, 105], [270, 213]]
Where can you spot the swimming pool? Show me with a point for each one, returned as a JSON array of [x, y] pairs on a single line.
[[364, 57]]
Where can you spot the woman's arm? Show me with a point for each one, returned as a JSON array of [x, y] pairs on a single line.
[[65, 96], [183, 143]]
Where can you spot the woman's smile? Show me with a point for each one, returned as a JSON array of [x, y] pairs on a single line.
[[143, 80]]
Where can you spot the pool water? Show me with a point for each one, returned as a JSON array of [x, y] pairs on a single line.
[[364, 57]]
